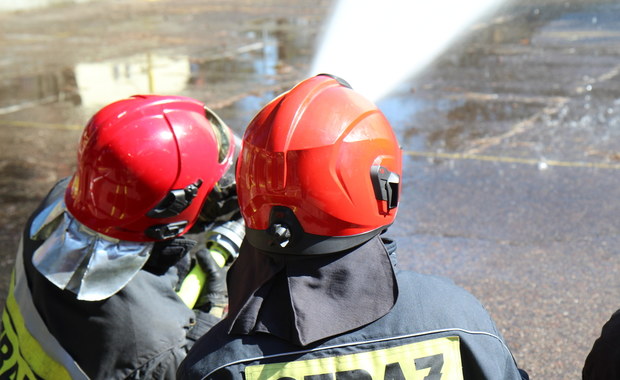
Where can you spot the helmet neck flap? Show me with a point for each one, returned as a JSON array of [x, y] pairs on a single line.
[[78, 259]]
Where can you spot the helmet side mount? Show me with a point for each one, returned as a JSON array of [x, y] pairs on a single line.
[[385, 184], [281, 234], [172, 205], [284, 228], [175, 201]]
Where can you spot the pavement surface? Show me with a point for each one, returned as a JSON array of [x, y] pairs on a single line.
[[510, 136]]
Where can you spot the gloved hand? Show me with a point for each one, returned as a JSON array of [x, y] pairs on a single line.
[[167, 253], [214, 296]]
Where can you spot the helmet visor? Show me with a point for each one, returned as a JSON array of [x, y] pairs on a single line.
[[222, 134]]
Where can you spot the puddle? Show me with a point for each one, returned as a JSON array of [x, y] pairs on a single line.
[[433, 114], [100, 83], [25, 92], [242, 75], [23, 5], [250, 76]]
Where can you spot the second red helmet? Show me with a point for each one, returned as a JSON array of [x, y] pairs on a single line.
[[146, 165], [319, 170]]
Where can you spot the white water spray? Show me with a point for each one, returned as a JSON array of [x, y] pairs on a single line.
[[377, 44]]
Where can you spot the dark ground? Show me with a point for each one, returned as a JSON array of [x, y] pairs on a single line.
[[510, 137]]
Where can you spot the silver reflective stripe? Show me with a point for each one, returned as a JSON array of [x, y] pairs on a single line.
[[34, 323]]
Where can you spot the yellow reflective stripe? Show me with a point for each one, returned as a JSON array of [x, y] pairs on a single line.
[[438, 358], [26, 352], [13, 365]]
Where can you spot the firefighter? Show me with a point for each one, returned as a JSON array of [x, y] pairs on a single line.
[[321, 297], [602, 360], [94, 291]]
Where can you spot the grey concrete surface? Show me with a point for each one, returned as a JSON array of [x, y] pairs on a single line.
[[510, 137]]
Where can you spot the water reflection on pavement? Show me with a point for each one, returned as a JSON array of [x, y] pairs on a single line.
[[510, 138]]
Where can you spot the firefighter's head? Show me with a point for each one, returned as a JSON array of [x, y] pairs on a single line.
[[319, 170], [145, 166]]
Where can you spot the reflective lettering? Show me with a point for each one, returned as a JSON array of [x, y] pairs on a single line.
[[393, 372], [9, 373], [22, 356], [6, 348], [434, 359], [355, 374], [435, 363], [12, 366]]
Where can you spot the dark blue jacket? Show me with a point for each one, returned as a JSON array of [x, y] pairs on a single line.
[[141, 332], [434, 328]]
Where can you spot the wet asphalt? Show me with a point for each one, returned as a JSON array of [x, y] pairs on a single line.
[[510, 137]]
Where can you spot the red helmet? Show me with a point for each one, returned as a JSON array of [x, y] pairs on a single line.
[[319, 170], [146, 165]]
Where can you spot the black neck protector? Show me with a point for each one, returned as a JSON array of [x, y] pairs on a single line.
[[306, 298]]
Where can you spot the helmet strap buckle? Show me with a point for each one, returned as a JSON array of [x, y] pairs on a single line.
[[165, 231]]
